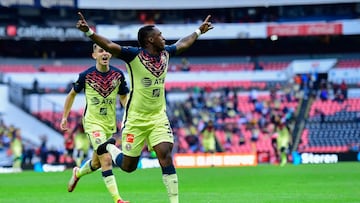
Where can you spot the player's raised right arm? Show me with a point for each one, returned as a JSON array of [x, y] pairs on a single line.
[[103, 42]]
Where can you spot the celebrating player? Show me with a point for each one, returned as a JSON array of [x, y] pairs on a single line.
[[102, 84], [145, 118]]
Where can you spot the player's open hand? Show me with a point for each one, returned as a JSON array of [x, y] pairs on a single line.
[[82, 24], [63, 125], [206, 25]]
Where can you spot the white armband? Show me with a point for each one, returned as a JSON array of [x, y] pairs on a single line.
[[89, 32], [198, 32]]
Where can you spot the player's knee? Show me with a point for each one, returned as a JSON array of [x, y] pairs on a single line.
[[166, 161], [95, 165], [128, 169]]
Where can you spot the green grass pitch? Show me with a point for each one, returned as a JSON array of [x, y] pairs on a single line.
[[263, 184]]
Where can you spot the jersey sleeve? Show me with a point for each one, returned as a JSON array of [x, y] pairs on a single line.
[[123, 88], [128, 53], [80, 83], [171, 49]]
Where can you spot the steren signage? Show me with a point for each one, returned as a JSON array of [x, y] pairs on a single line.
[[309, 158]]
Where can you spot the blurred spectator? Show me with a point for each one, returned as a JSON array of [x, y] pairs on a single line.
[[16, 149], [173, 67], [253, 97], [69, 148], [283, 141], [192, 139], [185, 65], [35, 87], [335, 88], [208, 138], [43, 150], [324, 95], [82, 143], [255, 132], [344, 89], [339, 97], [28, 155]]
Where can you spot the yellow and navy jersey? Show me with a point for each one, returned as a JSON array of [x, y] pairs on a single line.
[[283, 139], [101, 91], [208, 134], [147, 81]]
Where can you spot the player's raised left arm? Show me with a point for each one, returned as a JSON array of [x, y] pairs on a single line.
[[103, 42], [185, 42]]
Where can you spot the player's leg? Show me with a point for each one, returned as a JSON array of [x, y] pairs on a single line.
[[83, 149], [94, 163], [88, 167], [106, 167], [283, 156], [125, 162], [108, 176], [161, 139], [133, 141], [209, 149], [164, 153]]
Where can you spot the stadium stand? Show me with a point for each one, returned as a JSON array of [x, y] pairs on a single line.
[[348, 63], [17, 68], [332, 126]]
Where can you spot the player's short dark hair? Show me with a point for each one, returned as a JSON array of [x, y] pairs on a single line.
[[144, 33]]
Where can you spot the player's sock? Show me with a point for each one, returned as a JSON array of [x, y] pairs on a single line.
[[85, 169], [111, 185], [170, 180], [116, 154]]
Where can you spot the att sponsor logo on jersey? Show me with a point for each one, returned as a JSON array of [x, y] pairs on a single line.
[[147, 82], [96, 101], [159, 81]]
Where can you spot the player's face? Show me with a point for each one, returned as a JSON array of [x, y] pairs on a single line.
[[101, 56], [157, 40]]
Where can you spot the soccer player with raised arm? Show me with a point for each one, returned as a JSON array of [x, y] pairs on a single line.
[[103, 84], [145, 119]]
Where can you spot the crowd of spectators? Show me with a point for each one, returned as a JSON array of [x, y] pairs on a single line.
[[19, 153], [225, 110], [321, 88]]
